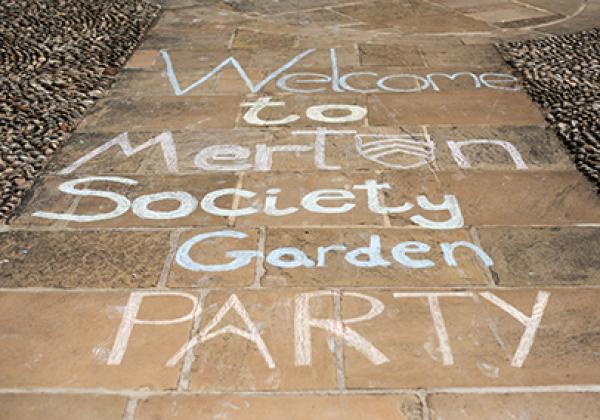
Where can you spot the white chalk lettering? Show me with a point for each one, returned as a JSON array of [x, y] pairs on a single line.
[[231, 60], [456, 149], [311, 201], [130, 319], [317, 113], [122, 140], [531, 323], [399, 253], [449, 204], [448, 252], [251, 116], [240, 258], [68, 187], [303, 322], [433, 299], [220, 153], [187, 205], [251, 334]]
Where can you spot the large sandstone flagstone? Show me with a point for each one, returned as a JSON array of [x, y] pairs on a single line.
[[456, 108], [401, 407], [543, 256], [64, 340], [82, 258], [504, 406], [60, 407]]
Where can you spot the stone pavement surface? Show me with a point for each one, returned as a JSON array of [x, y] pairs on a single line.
[[315, 209]]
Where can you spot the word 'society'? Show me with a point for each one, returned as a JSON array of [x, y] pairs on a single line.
[[338, 82], [391, 151], [304, 322], [320, 201]]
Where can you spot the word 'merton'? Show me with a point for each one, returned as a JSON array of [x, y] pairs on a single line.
[[310, 82]]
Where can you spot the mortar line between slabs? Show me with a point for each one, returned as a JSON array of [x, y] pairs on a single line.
[[300, 288], [183, 384], [141, 394], [164, 275], [11, 228]]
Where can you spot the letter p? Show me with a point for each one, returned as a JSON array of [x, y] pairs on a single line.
[[129, 320]]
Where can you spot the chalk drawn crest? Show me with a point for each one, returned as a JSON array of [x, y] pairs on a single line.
[[398, 151]]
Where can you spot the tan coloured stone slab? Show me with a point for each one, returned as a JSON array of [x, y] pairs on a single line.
[[467, 56], [336, 271], [548, 256], [254, 40], [505, 406], [389, 55], [60, 407], [293, 187], [482, 340], [523, 198], [229, 362], [64, 340], [537, 148], [162, 113], [401, 407], [456, 108], [51, 200], [191, 37], [411, 17], [142, 59], [272, 58], [213, 251], [155, 84], [82, 259]]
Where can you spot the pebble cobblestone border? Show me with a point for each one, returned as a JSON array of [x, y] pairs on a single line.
[[562, 74], [56, 58]]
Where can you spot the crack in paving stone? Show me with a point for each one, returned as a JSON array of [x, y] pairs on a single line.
[[562, 74], [56, 58]]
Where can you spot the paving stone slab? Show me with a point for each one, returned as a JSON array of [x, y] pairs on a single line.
[[549, 256], [163, 113], [481, 348], [60, 407], [504, 406], [523, 198], [482, 148], [452, 108], [412, 17], [64, 340], [98, 207], [402, 407], [69, 259]]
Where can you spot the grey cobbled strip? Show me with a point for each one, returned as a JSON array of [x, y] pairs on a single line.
[[56, 58], [562, 74]]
